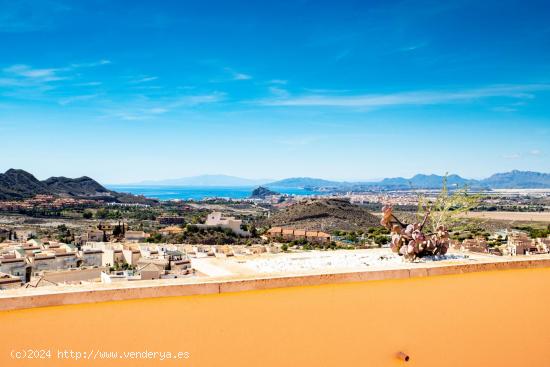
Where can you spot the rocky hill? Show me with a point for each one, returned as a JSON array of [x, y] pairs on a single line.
[[19, 184], [324, 215], [261, 193], [82, 186]]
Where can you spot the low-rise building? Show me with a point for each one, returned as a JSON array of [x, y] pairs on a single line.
[[136, 236], [93, 235], [8, 281], [16, 266], [543, 244], [520, 244], [112, 257], [218, 220], [67, 260], [43, 262], [91, 257], [131, 256], [150, 271], [291, 234]]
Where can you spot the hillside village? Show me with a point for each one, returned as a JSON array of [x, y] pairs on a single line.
[[168, 242]]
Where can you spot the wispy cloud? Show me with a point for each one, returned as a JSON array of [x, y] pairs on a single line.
[[278, 81], [413, 46], [143, 79], [531, 153], [25, 71], [408, 98], [88, 84], [235, 75], [73, 99], [21, 80], [91, 64], [241, 76], [279, 92], [145, 109], [504, 109], [512, 156]]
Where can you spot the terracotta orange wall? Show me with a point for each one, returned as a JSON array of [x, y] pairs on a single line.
[[499, 318]]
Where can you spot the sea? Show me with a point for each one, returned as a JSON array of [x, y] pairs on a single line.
[[202, 192]]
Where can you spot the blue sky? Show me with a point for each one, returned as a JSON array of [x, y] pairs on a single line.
[[125, 91]]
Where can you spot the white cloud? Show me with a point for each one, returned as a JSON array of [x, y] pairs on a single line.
[[73, 99], [535, 152], [27, 82], [194, 100], [278, 81], [88, 84], [408, 98], [144, 110], [241, 76], [143, 79], [413, 47], [280, 92], [235, 75], [21, 75], [504, 109], [511, 156], [25, 71], [91, 64]]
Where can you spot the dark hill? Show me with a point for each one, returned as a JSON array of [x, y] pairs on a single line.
[[82, 186], [261, 193], [19, 184], [326, 215]]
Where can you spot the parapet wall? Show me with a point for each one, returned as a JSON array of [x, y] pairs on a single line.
[[466, 315]]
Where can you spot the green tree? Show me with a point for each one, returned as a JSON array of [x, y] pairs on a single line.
[[447, 206], [101, 213]]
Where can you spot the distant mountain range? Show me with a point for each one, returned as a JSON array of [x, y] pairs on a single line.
[[204, 180], [19, 184], [509, 180]]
